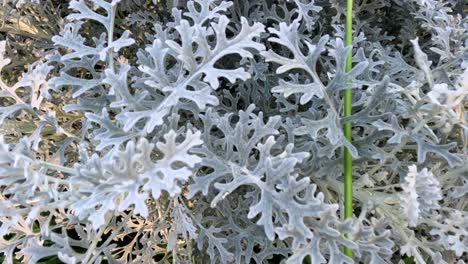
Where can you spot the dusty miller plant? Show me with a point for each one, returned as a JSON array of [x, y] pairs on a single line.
[[209, 131]]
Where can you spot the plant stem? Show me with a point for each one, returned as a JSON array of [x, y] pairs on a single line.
[[56, 167], [111, 36], [348, 162]]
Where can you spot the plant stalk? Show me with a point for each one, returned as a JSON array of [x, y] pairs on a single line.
[[348, 162]]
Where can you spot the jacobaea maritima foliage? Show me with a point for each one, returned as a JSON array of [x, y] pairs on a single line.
[[210, 131]]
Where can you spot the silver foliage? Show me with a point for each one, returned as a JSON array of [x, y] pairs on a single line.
[[421, 194], [210, 131]]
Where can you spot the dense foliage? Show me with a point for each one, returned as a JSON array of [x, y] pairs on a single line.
[[211, 131]]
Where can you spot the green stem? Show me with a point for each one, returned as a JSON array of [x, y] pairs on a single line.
[[348, 162]]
